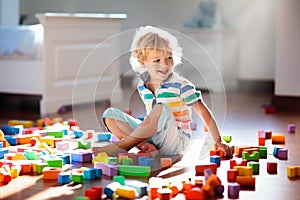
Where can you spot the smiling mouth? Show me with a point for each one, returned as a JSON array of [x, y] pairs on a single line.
[[163, 71]]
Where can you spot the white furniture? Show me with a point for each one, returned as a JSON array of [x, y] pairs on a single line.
[[210, 58], [79, 62]]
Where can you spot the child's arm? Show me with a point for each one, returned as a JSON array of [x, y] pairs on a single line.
[[209, 121]]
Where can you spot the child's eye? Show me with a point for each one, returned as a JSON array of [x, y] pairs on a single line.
[[157, 60], [170, 57]]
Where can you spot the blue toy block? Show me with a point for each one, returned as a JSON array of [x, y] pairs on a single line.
[[1, 144], [10, 130], [65, 157], [110, 189], [150, 162], [12, 140], [81, 157], [89, 173], [142, 161], [3, 152], [98, 173], [104, 137], [215, 159], [275, 151], [64, 178], [78, 133]]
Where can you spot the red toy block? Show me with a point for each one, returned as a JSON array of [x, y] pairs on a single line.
[[247, 181], [278, 139], [231, 175], [195, 193], [91, 194], [99, 191], [214, 152], [270, 109], [199, 169], [233, 163], [272, 167], [164, 194], [5, 176]]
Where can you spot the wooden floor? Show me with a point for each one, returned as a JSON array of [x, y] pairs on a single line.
[[239, 113]]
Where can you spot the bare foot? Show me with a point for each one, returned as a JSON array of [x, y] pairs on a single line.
[[111, 150]]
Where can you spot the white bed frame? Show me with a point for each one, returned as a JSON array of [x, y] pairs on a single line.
[[79, 65]]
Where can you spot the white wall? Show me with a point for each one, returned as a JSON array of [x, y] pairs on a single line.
[[287, 78], [9, 12]]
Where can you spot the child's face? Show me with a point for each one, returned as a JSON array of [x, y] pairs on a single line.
[[159, 64]]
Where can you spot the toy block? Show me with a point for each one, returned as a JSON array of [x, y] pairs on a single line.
[[127, 161], [126, 192], [107, 169], [244, 171], [3, 152], [231, 175], [152, 192], [98, 191], [261, 141], [19, 156], [110, 189], [143, 153], [3, 140], [211, 183], [56, 134], [207, 173], [164, 193], [81, 156], [134, 170], [142, 161], [275, 151], [133, 156], [234, 163], [15, 171], [89, 173], [227, 138], [62, 145], [293, 171], [101, 157], [139, 186], [272, 167], [66, 158], [215, 159], [120, 179], [1, 144], [246, 181], [5, 176], [104, 137], [291, 128], [50, 173], [253, 157], [84, 145], [165, 163], [278, 139], [199, 169], [12, 140], [98, 173], [268, 135], [10, 130], [9, 156], [263, 152], [121, 158], [254, 166], [91, 194], [77, 177], [198, 181], [233, 191], [24, 123], [239, 150], [25, 168], [64, 178], [219, 190], [282, 154], [78, 133], [40, 167], [214, 152], [112, 160], [193, 126], [56, 162], [81, 198], [150, 162], [270, 109]]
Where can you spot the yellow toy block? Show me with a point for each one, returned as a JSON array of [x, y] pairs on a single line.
[[293, 171], [24, 123], [3, 138], [49, 140], [101, 157], [19, 156], [15, 171], [244, 171]]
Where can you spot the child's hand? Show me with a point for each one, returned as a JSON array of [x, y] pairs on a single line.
[[228, 151], [148, 147]]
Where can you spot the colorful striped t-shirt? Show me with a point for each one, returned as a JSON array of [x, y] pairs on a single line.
[[176, 92]]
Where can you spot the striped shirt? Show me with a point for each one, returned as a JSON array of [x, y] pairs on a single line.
[[177, 93]]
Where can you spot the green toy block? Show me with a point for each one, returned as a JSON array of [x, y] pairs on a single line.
[[32, 155], [55, 163], [113, 160], [227, 138], [134, 170], [77, 177], [255, 167], [119, 179], [263, 152], [40, 167], [81, 198], [56, 134], [84, 146], [253, 157], [127, 161]]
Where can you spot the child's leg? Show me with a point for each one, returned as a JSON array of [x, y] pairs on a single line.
[[146, 130]]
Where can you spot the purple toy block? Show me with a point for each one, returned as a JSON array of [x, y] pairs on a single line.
[[282, 154], [291, 128], [234, 191], [207, 173], [107, 169], [219, 190], [81, 157]]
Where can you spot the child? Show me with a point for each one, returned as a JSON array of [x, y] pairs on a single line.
[[168, 97]]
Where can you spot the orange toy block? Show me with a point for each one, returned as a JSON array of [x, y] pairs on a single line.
[[51, 173], [25, 139], [200, 168], [278, 139], [164, 193], [244, 171], [293, 171], [211, 183], [246, 181], [195, 193], [239, 150], [5, 176], [233, 163], [231, 175]]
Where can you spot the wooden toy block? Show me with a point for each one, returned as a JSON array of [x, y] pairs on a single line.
[[57, 162], [98, 190], [282, 154], [215, 159], [239, 149], [15, 171], [278, 139], [143, 154], [78, 133], [81, 156], [98, 173], [251, 150], [291, 128], [270, 109], [233, 191], [246, 181], [24, 123], [166, 163], [1, 144], [275, 151], [104, 137], [219, 190], [120, 179], [254, 166], [261, 141], [10, 130], [207, 173], [133, 156], [244, 171], [139, 186], [62, 145], [195, 193], [84, 145], [231, 175], [89, 173], [72, 122], [150, 162], [234, 163], [112, 160], [227, 138], [253, 157], [164, 193], [127, 161], [50, 173], [3, 152], [81, 198], [12, 140], [40, 167], [91, 194], [214, 152], [268, 135], [49, 140], [293, 171], [56, 134], [2, 139], [142, 161], [152, 192], [110, 189], [272, 167], [126, 192], [107, 169], [211, 183], [101, 157], [77, 177], [64, 178], [5, 176], [9, 156], [25, 168], [66, 158], [199, 169], [263, 152], [19, 156], [134, 170]]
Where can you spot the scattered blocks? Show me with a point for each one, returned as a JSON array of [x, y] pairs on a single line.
[[272, 167], [81, 156], [293, 171], [199, 169], [107, 169], [278, 139], [253, 157]]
